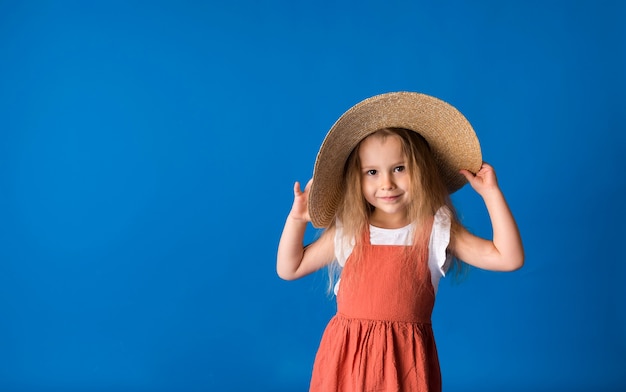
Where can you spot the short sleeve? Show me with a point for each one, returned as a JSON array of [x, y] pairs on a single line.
[[439, 258]]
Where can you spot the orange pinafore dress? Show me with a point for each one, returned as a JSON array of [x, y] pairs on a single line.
[[381, 338]]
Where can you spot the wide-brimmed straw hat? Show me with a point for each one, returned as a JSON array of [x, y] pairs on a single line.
[[452, 141]]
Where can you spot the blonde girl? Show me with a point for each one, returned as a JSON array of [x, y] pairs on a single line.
[[380, 188]]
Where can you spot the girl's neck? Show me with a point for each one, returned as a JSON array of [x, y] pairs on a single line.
[[388, 221]]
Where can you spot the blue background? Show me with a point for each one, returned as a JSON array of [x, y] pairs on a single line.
[[148, 151]]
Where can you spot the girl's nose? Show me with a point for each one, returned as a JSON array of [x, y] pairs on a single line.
[[386, 182]]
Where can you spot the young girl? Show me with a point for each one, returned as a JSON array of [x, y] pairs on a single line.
[[380, 187]]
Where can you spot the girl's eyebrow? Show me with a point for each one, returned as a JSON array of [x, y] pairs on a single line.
[[374, 166]]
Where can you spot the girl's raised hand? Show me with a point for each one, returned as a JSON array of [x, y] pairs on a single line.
[[505, 251], [300, 207], [483, 181]]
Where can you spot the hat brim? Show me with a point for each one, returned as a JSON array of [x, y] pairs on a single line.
[[451, 138]]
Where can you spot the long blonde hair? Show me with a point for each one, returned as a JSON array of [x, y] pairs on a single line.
[[427, 188]]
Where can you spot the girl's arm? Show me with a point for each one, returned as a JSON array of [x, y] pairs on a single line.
[[505, 252], [293, 260]]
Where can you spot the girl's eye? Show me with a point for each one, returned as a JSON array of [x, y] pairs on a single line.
[[400, 169], [371, 172]]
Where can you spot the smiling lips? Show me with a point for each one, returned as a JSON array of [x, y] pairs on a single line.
[[389, 199]]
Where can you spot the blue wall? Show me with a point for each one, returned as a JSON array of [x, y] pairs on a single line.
[[148, 151]]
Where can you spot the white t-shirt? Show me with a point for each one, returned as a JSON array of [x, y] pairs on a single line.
[[438, 256]]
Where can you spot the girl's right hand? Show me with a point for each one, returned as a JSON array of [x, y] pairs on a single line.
[[300, 207], [293, 259]]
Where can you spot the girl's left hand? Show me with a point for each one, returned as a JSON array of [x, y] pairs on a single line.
[[483, 181]]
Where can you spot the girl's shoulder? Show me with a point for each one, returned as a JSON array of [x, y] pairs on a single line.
[[443, 216]]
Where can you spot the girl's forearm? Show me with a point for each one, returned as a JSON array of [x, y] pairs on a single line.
[[290, 248], [506, 236]]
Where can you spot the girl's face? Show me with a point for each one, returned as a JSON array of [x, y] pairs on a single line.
[[385, 180]]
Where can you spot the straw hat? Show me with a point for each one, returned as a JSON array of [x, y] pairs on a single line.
[[451, 138]]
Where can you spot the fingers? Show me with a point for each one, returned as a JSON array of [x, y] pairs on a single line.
[[467, 174], [483, 168], [308, 185], [296, 187], [483, 180]]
